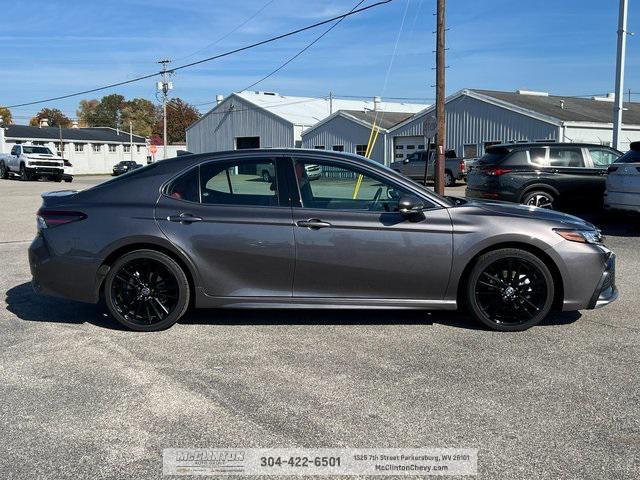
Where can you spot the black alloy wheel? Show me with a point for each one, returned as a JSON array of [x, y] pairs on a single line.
[[449, 181], [510, 290], [146, 291], [539, 198]]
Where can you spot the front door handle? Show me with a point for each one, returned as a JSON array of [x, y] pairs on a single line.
[[184, 218], [313, 223]]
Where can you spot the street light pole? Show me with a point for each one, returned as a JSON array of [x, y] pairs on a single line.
[[131, 139], [440, 97], [622, 45]]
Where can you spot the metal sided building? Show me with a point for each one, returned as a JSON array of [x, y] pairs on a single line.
[[479, 118], [270, 120], [350, 130]]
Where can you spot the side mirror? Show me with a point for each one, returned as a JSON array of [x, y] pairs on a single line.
[[409, 204]]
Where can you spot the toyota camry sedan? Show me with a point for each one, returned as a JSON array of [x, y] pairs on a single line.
[[208, 231]]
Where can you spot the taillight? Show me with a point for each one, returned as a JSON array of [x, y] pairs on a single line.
[[612, 168], [462, 166], [67, 163], [496, 171], [53, 218]]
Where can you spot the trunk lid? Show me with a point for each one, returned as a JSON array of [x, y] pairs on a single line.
[[60, 197]]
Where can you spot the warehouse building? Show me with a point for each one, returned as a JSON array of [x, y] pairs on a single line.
[[271, 120], [92, 150], [350, 130], [479, 118]]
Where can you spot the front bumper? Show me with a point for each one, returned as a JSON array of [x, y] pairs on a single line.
[[606, 292], [41, 170]]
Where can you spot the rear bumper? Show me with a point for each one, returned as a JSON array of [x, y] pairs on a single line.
[[606, 291], [64, 276]]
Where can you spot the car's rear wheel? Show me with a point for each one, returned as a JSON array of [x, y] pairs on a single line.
[[510, 290], [539, 198], [146, 290], [449, 181]]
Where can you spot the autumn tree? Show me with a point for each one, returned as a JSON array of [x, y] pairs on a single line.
[[142, 115], [86, 112], [5, 113], [56, 118], [180, 115]]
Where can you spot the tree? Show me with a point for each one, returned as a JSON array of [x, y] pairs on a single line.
[[179, 116], [5, 113], [108, 111], [141, 113], [56, 118], [86, 112]]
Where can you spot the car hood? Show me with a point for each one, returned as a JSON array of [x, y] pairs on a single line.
[[533, 213]]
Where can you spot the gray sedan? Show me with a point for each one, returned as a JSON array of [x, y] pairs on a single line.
[[208, 231]]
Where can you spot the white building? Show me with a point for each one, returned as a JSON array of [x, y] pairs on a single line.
[[271, 120], [92, 150]]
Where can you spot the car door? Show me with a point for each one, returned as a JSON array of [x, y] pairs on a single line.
[[599, 160], [235, 226], [576, 179], [351, 241]]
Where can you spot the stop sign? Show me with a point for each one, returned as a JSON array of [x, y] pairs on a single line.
[[153, 149]]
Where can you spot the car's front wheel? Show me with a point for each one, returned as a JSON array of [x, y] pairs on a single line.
[[510, 290], [4, 172], [146, 290]]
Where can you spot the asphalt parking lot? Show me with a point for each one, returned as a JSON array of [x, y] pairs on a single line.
[[82, 398]]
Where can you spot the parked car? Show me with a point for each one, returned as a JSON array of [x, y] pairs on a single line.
[[362, 237], [623, 182], [267, 171], [31, 162], [413, 165], [547, 175], [124, 167]]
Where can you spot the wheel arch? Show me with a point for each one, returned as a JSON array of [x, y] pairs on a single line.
[[539, 186], [121, 250], [558, 284]]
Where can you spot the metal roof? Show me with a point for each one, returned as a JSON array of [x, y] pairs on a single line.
[[567, 109], [307, 111], [383, 119], [90, 134]]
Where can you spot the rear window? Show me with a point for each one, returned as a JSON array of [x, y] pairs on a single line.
[[632, 156], [492, 158]]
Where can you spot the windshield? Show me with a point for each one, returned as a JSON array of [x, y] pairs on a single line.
[[632, 156], [37, 150]]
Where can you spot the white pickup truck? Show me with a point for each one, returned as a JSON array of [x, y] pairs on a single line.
[[33, 162]]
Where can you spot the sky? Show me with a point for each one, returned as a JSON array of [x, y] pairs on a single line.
[[56, 47]]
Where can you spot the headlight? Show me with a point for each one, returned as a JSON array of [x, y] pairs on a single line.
[[582, 236]]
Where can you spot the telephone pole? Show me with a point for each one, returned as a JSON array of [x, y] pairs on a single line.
[[440, 96], [622, 45], [164, 86]]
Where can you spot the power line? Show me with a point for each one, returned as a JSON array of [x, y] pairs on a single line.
[[229, 33], [307, 47], [208, 59]]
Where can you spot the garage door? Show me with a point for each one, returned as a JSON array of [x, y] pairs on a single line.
[[403, 146]]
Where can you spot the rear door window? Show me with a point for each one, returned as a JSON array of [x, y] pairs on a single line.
[[565, 157], [518, 157]]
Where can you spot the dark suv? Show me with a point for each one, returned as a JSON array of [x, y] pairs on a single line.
[[124, 167], [544, 175]]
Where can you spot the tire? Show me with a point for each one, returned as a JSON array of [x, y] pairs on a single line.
[[540, 198], [68, 180], [146, 291], [24, 175], [509, 290], [266, 176], [449, 181], [4, 172], [57, 179]]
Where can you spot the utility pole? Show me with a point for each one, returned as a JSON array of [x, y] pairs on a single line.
[[61, 144], [131, 139], [622, 45], [440, 95], [330, 103], [164, 86]]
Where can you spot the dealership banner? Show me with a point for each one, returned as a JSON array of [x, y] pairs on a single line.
[[320, 461]]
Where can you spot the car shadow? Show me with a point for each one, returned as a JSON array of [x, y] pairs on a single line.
[[27, 305]]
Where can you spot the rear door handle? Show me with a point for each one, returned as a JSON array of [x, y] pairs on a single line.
[[184, 218], [313, 223]]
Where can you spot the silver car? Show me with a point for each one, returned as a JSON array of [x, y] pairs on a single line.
[[208, 231]]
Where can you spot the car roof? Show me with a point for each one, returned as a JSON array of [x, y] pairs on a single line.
[[513, 146]]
